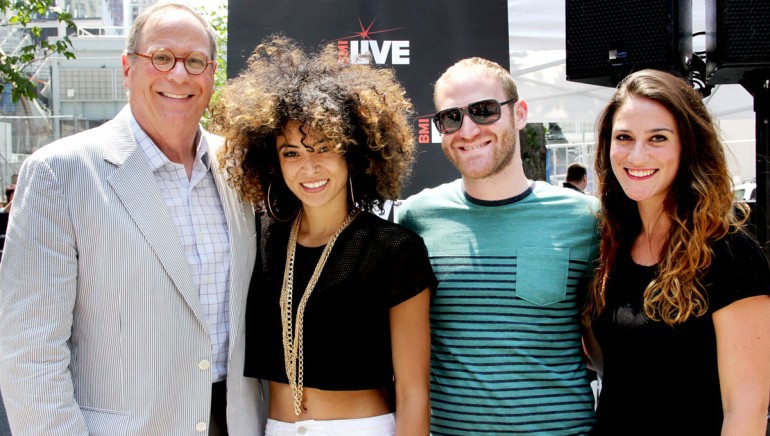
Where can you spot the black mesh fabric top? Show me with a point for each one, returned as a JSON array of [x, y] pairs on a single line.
[[374, 265]]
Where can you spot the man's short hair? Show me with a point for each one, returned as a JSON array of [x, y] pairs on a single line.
[[479, 66], [134, 40], [576, 172]]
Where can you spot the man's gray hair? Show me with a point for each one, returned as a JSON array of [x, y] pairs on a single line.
[[135, 34]]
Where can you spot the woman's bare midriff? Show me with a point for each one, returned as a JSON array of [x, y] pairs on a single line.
[[324, 405]]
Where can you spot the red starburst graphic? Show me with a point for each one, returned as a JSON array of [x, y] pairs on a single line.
[[366, 31]]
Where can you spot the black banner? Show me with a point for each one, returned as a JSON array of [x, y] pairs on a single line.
[[419, 39]]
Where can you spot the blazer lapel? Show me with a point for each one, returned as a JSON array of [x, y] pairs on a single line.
[[241, 226], [134, 183]]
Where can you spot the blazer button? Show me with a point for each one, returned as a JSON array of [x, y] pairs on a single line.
[[204, 365], [200, 427]]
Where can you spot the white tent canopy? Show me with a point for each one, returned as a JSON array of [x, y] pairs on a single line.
[[538, 63], [536, 30]]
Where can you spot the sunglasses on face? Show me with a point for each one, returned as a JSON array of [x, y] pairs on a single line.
[[164, 60], [481, 112]]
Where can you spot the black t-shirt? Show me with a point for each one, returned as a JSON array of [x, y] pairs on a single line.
[[663, 380], [374, 265]]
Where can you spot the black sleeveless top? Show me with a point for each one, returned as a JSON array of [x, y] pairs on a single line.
[[374, 265]]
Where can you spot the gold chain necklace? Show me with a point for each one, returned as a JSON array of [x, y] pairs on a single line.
[[292, 343]]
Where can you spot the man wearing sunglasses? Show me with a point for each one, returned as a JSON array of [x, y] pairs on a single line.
[[513, 258], [127, 261]]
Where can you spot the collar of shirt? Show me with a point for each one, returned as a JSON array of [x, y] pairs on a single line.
[[156, 158]]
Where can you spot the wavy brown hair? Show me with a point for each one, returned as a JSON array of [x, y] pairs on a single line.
[[360, 109], [699, 204]]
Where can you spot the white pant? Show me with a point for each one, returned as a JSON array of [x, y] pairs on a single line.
[[383, 425]]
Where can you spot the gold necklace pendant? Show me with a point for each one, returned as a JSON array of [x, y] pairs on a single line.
[[292, 340]]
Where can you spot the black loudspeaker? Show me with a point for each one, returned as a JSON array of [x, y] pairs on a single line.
[[737, 39], [607, 40]]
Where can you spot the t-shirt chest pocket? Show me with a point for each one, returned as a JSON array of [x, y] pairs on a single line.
[[541, 274]]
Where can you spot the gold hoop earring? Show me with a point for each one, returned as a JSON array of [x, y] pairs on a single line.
[[352, 197], [270, 207]]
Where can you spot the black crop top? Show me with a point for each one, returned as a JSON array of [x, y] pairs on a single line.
[[374, 265]]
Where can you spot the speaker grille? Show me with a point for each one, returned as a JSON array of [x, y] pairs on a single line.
[[746, 26], [608, 40], [737, 38]]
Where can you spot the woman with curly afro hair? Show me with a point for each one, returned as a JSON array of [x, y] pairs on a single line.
[[337, 317], [679, 304]]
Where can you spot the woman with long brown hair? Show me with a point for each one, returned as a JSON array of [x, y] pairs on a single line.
[[679, 304]]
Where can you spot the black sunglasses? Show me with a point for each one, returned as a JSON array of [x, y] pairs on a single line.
[[481, 112]]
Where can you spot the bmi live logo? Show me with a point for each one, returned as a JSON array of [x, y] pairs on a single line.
[[359, 47]]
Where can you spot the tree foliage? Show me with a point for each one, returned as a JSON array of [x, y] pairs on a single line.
[[217, 17], [22, 13], [533, 150]]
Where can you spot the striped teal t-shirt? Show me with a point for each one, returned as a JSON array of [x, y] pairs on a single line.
[[505, 323]]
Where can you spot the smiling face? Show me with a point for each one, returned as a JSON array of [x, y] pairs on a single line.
[[311, 169], [645, 150], [173, 99], [480, 151]]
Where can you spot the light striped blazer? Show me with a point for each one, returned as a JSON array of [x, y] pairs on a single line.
[[101, 328]]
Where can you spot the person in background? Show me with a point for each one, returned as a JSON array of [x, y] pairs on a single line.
[[127, 262], [9, 190], [338, 307], [679, 306], [513, 258], [577, 178]]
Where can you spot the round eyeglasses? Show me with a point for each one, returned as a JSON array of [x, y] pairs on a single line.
[[164, 60]]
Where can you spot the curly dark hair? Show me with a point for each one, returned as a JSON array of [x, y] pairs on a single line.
[[700, 203], [360, 109]]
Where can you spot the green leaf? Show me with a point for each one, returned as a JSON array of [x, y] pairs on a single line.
[[21, 13]]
